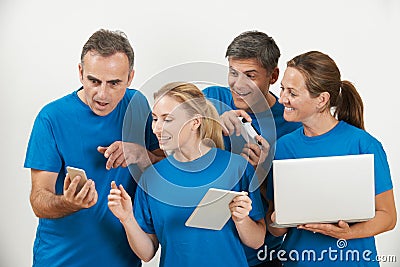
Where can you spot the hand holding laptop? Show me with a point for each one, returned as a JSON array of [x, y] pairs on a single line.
[[335, 230]]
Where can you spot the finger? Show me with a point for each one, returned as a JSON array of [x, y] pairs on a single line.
[[244, 114], [67, 182], [82, 194], [114, 197], [94, 201], [112, 158], [71, 190], [251, 154], [265, 146], [119, 161], [343, 224], [240, 212], [227, 124], [273, 217], [114, 185], [225, 130], [90, 195], [254, 148], [112, 148], [124, 194], [246, 157], [101, 149]]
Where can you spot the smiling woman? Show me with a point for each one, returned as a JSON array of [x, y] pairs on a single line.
[[186, 124], [311, 87]]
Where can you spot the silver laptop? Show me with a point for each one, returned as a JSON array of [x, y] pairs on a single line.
[[324, 190]]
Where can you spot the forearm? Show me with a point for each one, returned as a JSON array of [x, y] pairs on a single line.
[[251, 233], [268, 219], [382, 222], [140, 242], [150, 158], [46, 204]]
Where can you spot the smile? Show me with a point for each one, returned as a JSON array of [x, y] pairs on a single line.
[[241, 94], [289, 109]]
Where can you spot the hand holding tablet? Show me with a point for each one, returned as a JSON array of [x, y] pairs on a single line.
[[213, 210]]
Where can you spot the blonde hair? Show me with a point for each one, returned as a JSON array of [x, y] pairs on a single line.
[[195, 103]]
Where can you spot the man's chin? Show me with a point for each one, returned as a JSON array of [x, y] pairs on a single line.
[[241, 104]]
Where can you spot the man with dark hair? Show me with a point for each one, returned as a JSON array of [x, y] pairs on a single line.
[[84, 129], [253, 66]]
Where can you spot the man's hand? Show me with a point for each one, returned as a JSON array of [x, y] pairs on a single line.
[[83, 199], [256, 154], [230, 122], [125, 153]]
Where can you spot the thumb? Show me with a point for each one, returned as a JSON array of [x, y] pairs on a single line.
[[243, 114]]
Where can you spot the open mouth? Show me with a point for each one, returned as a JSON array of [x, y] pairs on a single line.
[[101, 104], [289, 109]]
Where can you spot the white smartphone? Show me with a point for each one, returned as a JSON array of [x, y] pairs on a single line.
[[250, 131], [72, 172]]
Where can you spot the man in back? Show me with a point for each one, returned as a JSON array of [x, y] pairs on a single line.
[[253, 66]]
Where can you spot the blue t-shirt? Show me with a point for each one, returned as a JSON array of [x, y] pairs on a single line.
[[167, 195], [67, 133], [271, 125], [343, 139]]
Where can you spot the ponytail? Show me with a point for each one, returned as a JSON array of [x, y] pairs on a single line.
[[349, 107], [211, 130]]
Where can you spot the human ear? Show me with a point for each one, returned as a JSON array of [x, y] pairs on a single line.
[[196, 122], [80, 68], [274, 75], [323, 100]]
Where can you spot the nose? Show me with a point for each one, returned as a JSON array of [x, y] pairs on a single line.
[[283, 97], [240, 82], [157, 127], [102, 91]]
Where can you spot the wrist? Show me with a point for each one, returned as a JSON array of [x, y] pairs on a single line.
[[127, 219]]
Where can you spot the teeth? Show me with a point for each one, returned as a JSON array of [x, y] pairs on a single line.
[[241, 94], [290, 109]]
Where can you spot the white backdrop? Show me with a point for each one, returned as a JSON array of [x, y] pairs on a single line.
[[41, 41]]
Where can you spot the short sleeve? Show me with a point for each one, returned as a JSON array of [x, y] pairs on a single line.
[[42, 152], [257, 212], [142, 210], [383, 181], [137, 123]]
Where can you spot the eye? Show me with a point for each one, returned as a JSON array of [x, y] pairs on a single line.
[[233, 73], [291, 93], [251, 76]]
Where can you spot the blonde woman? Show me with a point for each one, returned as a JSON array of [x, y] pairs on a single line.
[[186, 126]]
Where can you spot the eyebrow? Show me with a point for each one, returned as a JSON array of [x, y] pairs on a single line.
[[247, 71], [162, 115], [288, 87], [92, 78]]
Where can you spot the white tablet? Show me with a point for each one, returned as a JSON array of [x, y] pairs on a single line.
[[213, 210]]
